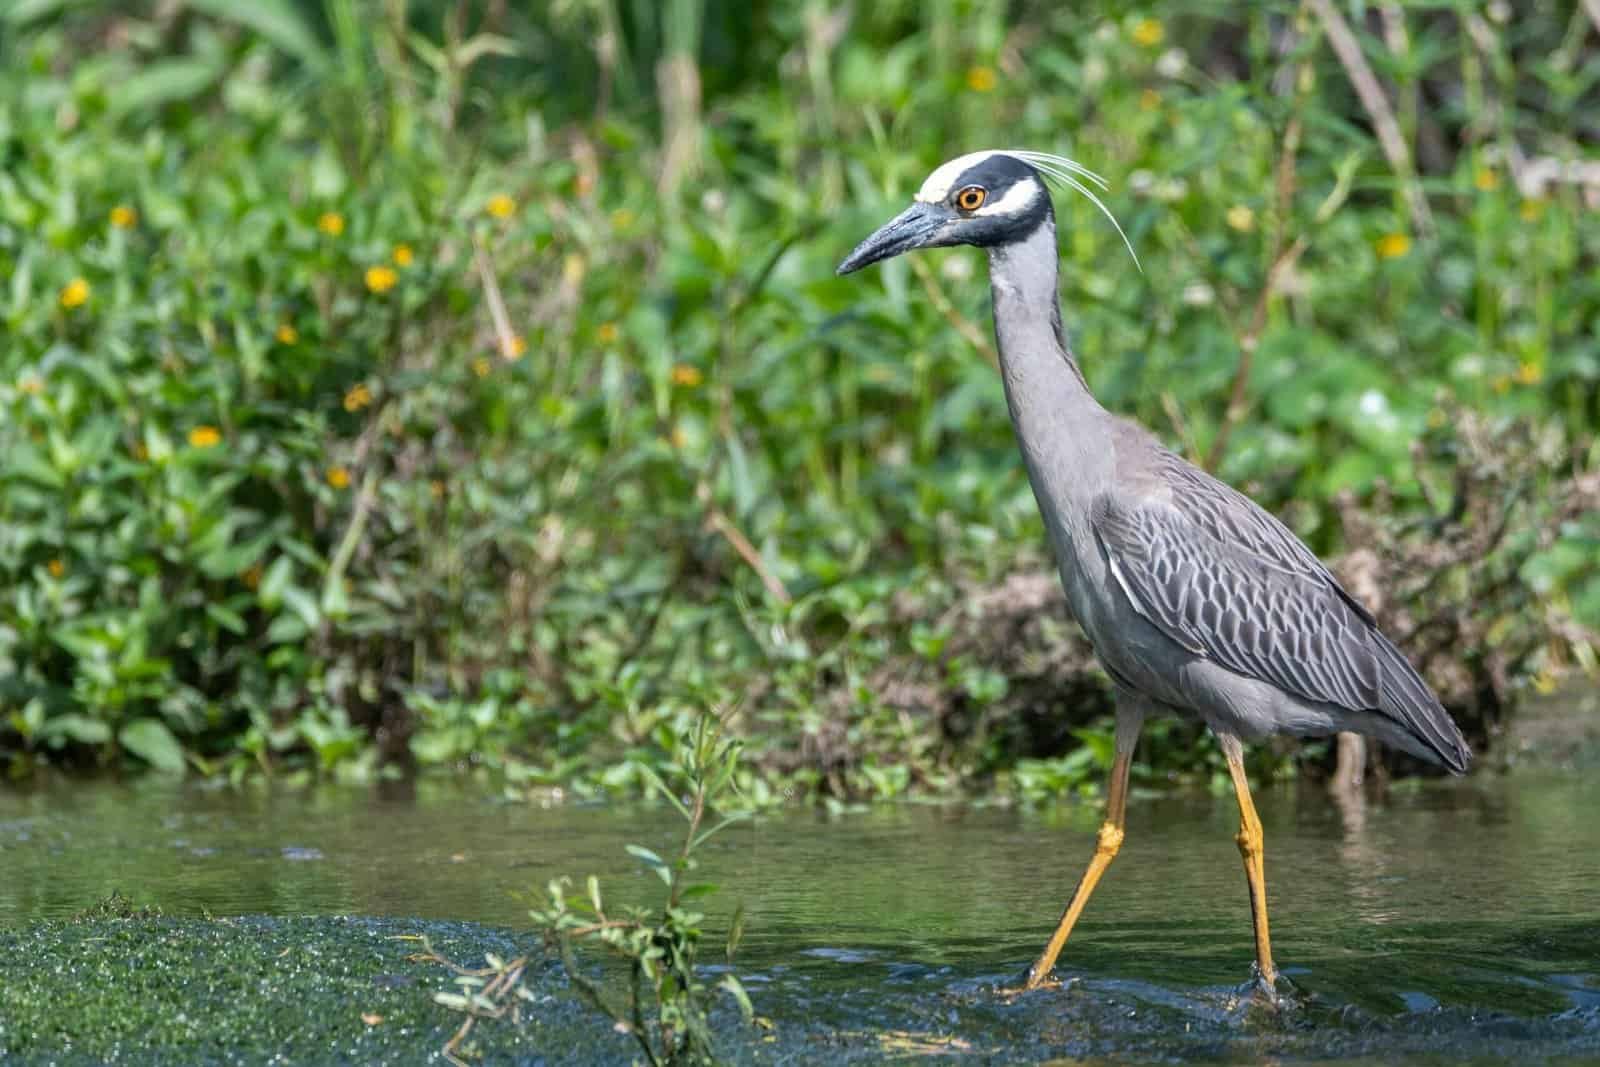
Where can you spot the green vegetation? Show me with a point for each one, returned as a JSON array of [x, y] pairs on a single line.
[[132, 990], [663, 1004], [437, 383]]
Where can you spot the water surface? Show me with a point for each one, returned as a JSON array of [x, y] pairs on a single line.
[[1459, 917]]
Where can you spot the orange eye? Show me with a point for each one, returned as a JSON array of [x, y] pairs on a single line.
[[971, 198]]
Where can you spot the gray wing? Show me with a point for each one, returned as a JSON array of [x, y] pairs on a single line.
[[1251, 606], [1224, 578], [1234, 519]]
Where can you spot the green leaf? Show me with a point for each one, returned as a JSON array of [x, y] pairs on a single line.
[[735, 930], [27, 462], [736, 817], [736, 988], [654, 861], [275, 20], [699, 889], [151, 741], [226, 618], [303, 604], [79, 728], [433, 746], [279, 574], [335, 601], [228, 560], [286, 629], [484, 44], [163, 83], [27, 10], [650, 775]]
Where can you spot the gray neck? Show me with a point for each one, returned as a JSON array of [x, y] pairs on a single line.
[[1061, 429], [1064, 435], [1027, 314]]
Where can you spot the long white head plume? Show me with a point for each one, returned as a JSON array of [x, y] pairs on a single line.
[[1059, 168]]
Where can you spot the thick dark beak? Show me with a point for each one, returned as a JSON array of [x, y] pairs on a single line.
[[912, 228]]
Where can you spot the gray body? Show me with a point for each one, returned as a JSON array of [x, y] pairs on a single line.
[[1094, 474], [1195, 599]]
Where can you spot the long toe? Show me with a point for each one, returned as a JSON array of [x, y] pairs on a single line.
[[1026, 983], [1277, 992]]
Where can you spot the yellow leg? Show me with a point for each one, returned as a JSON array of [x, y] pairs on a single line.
[[1255, 868], [1105, 850]]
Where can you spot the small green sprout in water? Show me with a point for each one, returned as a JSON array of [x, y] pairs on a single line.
[[665, 1003]]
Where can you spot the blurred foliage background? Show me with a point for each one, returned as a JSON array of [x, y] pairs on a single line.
[[466, 383]]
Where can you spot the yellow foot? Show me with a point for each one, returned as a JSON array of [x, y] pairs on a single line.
[[1275, 991], [1029, 984]]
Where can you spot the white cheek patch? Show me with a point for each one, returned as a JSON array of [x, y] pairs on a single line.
[[1016, 200], [937, 187]]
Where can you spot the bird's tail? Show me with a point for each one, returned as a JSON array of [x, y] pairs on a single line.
[[1406, 698]]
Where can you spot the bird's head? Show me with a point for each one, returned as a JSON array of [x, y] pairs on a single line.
[[986, 199]]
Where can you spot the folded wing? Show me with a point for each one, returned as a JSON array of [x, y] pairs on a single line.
[[1241, 608]]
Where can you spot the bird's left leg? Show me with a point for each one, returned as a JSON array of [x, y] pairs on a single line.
[[1130, 719], [1251, 848]]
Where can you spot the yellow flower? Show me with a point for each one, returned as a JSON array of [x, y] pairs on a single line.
[[56, 568], [139, 451], [1241, 218], [1486, 180], [607, 333], [514, 349], [287, 334], [500, 206], [124, 217], [480, 367], [402, 255], [981, 79], [31, 385], [331, 223], [685, 375], [75, 293], [381, 279], [251, 577], [436, 488], [678, 437], [205, 437], [1148, 32], [1531, 210], [1392, 245], [1149, 100], [357, 398], [1530, 374], [338, 477]]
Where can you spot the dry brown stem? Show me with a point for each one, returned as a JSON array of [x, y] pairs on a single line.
[[1370, 91]]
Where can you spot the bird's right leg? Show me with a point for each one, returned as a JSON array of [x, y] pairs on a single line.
[[1130, 719], [1250, 848]]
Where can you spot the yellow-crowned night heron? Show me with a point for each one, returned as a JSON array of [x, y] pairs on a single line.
[[1195, 599]]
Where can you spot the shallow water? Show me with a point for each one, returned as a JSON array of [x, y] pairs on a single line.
[[1454, 918]]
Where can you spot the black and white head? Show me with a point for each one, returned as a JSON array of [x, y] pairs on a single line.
[[986, 199]]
